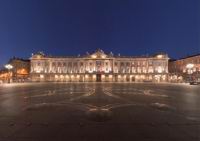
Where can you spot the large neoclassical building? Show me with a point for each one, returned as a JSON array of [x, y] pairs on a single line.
[[99, 67]]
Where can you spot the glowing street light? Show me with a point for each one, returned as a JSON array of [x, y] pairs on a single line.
[[190, 67], [9, 67]]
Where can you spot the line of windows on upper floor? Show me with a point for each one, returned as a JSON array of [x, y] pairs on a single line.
[[106, 70], [70, 64]]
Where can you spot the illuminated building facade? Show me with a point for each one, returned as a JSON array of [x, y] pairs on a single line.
[[99, 67], [20, 70], [18, 73], [5, 75], [185, 68]]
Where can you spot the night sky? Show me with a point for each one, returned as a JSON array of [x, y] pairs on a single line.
[[72, 27]]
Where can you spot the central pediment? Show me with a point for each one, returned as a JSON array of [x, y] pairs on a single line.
[[98, 54]]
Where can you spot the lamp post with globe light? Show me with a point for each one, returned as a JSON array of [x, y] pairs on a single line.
[[190, 71], [9, 67]]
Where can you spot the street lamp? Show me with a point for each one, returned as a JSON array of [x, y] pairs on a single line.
[[189, 67], [9, 67]]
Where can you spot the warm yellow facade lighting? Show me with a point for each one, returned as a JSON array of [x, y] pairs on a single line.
[[160, 70], [159, 56], [189, 66], [103, 56], [94, 56], [41, 76]]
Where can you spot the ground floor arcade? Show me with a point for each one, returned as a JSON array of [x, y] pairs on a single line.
[[100, 77]]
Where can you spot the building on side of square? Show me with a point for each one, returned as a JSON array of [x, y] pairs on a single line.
[[21, 69], [19, 72], [99, 67], [185, 69]]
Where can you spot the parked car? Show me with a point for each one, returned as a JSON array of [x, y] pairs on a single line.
[[195, 83]]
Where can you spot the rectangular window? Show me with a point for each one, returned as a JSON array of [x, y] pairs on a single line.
[[150, 62], [70, 64], [75, 64]]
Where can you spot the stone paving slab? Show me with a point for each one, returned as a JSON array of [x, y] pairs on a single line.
[[99, 112]]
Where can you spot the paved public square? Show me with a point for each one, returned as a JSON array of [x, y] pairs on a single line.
[[99, 112]]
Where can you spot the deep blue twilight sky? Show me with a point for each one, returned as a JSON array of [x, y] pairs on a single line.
[[72, 27]]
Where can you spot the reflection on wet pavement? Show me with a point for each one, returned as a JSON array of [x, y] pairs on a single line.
[[149, 110]]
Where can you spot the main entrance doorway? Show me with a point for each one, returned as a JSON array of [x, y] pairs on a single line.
[[98, 78]]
